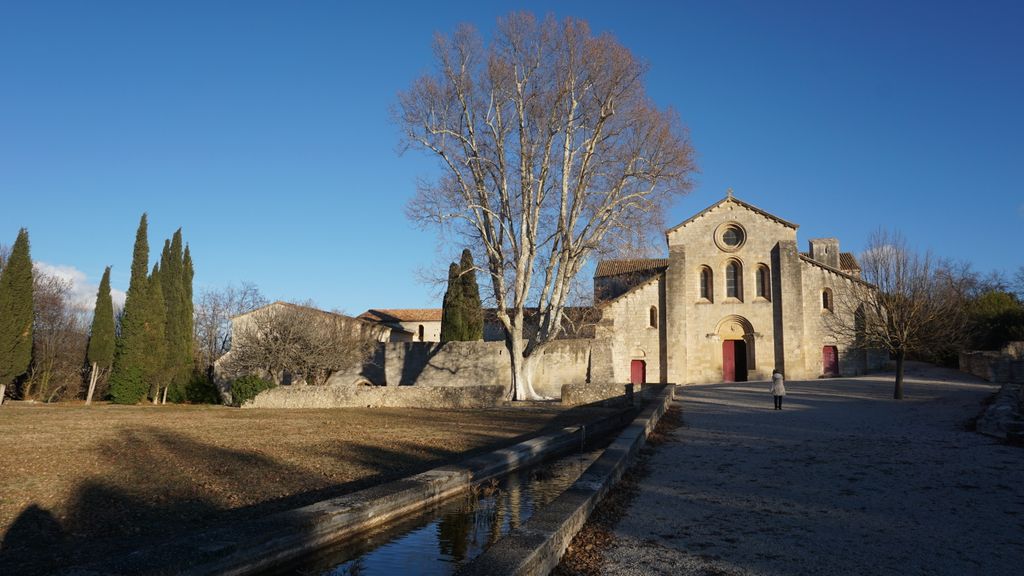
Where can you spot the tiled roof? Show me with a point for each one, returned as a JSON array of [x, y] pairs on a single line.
[[630, 266], [280, 303], [402, 315], [844, 273], [847, 261]]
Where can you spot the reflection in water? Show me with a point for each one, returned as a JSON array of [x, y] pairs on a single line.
[[440, 540]]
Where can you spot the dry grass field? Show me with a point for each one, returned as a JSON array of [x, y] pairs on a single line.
[[75, 476]]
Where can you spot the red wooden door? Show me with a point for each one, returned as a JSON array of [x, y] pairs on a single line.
[[728, 360], [638, 372], [830, 361]]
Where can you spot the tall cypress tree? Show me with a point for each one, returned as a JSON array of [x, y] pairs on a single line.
[[472, 308], [188, 309], [157, 363], [451, 309], [100, 354], [15, 313], [172, 282], [127, 380]]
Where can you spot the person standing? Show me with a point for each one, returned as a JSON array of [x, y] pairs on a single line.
[[778, 388]]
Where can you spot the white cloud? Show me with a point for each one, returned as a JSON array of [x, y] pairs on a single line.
[[83, 292]]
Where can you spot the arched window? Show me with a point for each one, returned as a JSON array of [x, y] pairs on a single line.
[[419, 332], [764, 282], [734, 280], [706, 284], [826, 299], [654, 317]]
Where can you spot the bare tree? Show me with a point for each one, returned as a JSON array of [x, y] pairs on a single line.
[[550, 151], [59, 338], [907, 303], [213, 314], [283, 341]]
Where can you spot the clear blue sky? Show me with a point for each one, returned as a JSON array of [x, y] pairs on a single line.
[[262, 128]]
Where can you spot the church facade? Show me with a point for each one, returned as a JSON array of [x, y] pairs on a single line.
[[735, 299]]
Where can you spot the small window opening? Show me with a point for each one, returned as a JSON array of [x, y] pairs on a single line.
[[654, 317], [764, 282], [734, 280], [706, 289], [826, 299], [420, 332]]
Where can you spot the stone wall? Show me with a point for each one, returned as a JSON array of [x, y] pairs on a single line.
[[448, 364], [577, 394], [573, 360], [589, 393], [1006, 365], [349, 396], [461, 364]]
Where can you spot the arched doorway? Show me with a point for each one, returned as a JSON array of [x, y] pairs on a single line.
[[737, 337], [734, 361]]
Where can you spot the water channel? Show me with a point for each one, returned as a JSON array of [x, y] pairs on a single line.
[[439, 540]]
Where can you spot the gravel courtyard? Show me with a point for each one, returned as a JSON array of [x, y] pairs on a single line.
[[843, 480]]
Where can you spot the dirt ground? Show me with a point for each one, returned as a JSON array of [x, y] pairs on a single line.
[[843, 480], [75, 477]]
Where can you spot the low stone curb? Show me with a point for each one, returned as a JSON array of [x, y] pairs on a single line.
[[282, 537], [537, 546], [1002, 419]]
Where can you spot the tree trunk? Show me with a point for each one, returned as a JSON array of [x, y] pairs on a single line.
[[164, 399], [92, 383], [897, 392], [3, 390], [521, 388]]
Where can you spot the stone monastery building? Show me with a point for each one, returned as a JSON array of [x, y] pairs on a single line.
[[734, 299]]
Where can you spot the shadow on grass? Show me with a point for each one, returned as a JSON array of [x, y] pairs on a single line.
[[167, 486]]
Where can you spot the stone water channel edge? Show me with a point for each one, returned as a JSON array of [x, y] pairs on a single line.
[[283, 537]]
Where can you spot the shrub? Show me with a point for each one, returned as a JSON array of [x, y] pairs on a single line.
[[247, 387], [128, 386], [198, 390]]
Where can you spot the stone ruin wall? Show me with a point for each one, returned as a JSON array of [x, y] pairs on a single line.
[[1006, 365], [466, 364]]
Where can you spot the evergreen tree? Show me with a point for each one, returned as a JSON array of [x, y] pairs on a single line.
[[15, 313], [462, 316], [127, 384], [157, 366], [100, 354], [172, 273], [188, 313], [451, 309], [472, 308]]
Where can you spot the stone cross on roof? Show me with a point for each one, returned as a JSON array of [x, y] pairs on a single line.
[[728, 192]]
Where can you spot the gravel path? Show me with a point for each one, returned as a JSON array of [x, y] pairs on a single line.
[[843, 480]]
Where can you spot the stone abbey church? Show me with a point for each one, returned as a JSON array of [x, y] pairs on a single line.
[[735, 299]]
